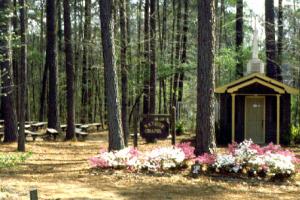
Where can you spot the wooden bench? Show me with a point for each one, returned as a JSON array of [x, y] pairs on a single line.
[[52, 133], [38, 126], [97, 125], [80, 134], [27, 126], [63, 127], [91, 127], [85, 127], [1, 128], [34, 135], [78, 125], [1, 136]]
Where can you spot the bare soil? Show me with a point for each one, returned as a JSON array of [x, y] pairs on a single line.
[[60, 170]]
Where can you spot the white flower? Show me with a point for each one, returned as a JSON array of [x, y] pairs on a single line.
[[224, 160]]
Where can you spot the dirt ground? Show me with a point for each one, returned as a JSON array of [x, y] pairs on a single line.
[[60, 170]]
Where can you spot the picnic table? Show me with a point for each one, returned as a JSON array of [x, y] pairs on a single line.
[[97, 125], [80, 134], [78, 125], [38, 126], [1, 135], [63, 127], [34, 135], [91, 127], [52, 133]]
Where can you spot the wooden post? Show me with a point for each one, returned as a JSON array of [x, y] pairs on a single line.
[[173, 125], [233, 118], [33, 194], [278, 120]]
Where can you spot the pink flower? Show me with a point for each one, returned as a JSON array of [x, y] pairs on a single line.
[[134, 152], [206, 158], [232, 147], [260, 151], [98, 162], [187, 149], [271, 148]]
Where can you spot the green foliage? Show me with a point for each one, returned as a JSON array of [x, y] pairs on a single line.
[[295, 134], [180, 128], [226, 62], [12, 160]]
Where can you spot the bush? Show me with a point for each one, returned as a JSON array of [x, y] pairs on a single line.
[[159, 159], [248, 158], [12, 160], [180, 128], [295, 131]]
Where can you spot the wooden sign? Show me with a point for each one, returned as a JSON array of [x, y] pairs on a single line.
[[152, 129]]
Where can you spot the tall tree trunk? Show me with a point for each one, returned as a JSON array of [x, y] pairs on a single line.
[[116, 141], [23, 75], [280, 33], [124, 70], [51, 61], [164, 41], [184, 49], [146, 59], [239, 37], [86, 101], [43, 93], [16, 54], [43, 73], [7, 95], [272, 67], [70, 134], [177, 54], [139, 52], [205, 129], [152, 55], [172, 54]]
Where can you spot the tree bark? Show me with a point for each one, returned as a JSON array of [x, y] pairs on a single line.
[[152, 55], [184, 49], [7, 100], [124, 69], [23, 75], [70, 133], [51, 62], [272, 67], [177, 54], [205, 130], [86, 101], [280, 33], [116, 141], [146, 59], [239, 37]]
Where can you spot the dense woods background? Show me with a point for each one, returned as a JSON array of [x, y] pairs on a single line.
[[155, 50]]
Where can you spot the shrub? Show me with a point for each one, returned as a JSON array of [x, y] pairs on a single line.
[[12, 160], [180, 128], [159, 159], [249, 158], [295, 133]]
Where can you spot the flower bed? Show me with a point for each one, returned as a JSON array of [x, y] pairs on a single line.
[[250, 159], [245, 158], [159, 159]]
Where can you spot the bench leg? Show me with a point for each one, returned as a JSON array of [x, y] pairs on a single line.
[[33, 138]]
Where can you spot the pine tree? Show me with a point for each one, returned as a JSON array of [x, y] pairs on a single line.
[[7, 90], [205, 129], [70, 134], [116, 141]]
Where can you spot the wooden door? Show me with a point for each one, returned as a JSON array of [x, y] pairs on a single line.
[[255, 119]]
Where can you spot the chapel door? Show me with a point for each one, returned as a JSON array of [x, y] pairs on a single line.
[[255, 119]]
